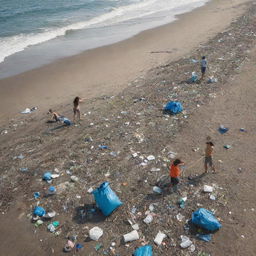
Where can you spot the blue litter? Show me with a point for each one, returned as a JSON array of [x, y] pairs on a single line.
[[194, 77], [103, 147], [106, 199], [24, 169], [204, 237], [227, 146], [47, 176], [173, 107], [223, 129], [52, 190], [79, 246], [39, 211], [205, 219], [242, 130], [144, 251], [36, 195]]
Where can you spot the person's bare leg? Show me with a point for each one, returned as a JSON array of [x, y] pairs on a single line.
[[205, 168], [78, 114]]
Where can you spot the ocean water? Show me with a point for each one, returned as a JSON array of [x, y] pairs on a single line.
[[48, 30]]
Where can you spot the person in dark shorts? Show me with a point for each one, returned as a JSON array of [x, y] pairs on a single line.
[[208, 156], [203, 66], [175, 173]]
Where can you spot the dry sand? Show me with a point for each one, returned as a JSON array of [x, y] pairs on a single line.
[[107, 70], [231, 102]]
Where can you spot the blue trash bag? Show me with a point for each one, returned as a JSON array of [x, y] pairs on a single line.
[[106, 199], [204, 237], [173, 107], [205, 219], [39, 211], [144, 251], [47, 176]]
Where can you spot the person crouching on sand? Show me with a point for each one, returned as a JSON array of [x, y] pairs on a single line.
[[175, 173], [76, 108], [55, 116], [208, 156]]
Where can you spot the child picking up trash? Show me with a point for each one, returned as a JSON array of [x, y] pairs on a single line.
[[175, 173], [59, 118]]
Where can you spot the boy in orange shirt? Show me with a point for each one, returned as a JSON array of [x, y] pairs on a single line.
[[175, 173]]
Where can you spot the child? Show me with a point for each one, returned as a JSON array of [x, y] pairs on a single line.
[[203, 66], [55, 115], [175, 173], [76, 107], [208, 156]]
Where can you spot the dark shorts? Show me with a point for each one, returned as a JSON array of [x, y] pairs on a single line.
[[174, 181], [208, 160], [203, 69]]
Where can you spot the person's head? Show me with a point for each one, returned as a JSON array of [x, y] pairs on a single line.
[[76, 100], [50, 111], [210, 143], [203, 58], [177, 162]]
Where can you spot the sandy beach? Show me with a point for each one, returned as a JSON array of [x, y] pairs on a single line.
[[108, 70], [126, 86]]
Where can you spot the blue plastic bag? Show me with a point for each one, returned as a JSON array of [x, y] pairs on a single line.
[[205, 237], [144, 251], [39, 211], [47, 176], [106, 199], [205, 219], [173, 107]]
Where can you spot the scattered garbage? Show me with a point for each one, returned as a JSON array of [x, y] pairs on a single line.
[[53, 226], [36, 195], [39, 211], [205, 219], [243, 130], [227, 146], [24, 169], [154, 169], [150, 158], [222, 129], [212, 79], [50, 215], [180, 217], [213, 197], [74, 178], [38, 223], [204, 237], [28, 110], [157, 190], [47, 176], [148, 219], [79, 247], [51, 190], [106, 199], [132, 236], [159, 238], [182, 202], [145, 250], [185, 242], [98, 247], [69, 246], [103, 147], [208, 189], [194, 77], [173, 108], [95, 233]]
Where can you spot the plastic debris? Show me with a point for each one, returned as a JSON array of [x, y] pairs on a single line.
[[182, 203], [227, 146], [106, 199], [39, 211], [185, 242], [36, 195], [95, 233], [79, 247], [98, 247], [212, 197], [150, 158], [212, 79], [103, 147], [74, 178], [173, 107], [208, 189], [38, 223], [157, 190], [204, 237], [180, 217], [159, 238], [132, 236], [222, 129], [205, 219], [50, 215], [51, 190], [194, 77], [52, 227], [145, 250], [47, 176], [242, 130], [23, 169], [148, 219]]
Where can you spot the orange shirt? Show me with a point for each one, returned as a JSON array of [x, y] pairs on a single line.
[[174, 171]]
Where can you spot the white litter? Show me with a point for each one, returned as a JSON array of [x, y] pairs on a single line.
[[151, 157], [185, 242], [95, 233], [159, 238], [208, 189]]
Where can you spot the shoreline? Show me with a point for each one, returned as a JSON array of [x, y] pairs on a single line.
[[107, 70]]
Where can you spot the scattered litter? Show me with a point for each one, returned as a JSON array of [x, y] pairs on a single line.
[[28, 110], [208, 189], [95, 233], [159, 238], [194, 77], [103, 147], [212, 197], [204, 237], [132, 236], [181, 202], [185, 242], [52, 227], [51, 190], [227, 146], [148, 219], [47, 176], [98, 247], [90, 190], [50, 215], [212, 79], [222, 129], [154, 169], [38, 223], [150, 158], [145, 250], [242, 130], [39, 211], [180, 217], [36, 195], [74, 178], [23, 169], [157, 190], [205, 219], [106, 199], [173, 107], [79, 247]]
